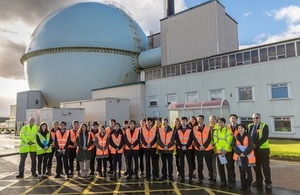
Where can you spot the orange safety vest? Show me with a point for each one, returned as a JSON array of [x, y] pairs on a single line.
[[132, 138], [235, 132], [87, 141], [251, 156], [149, 136], [202, 136], [73, 138], [93, 137], [165, 137], [62, 139], [117, 141], [108, 130], [184, 137], [102, 141]]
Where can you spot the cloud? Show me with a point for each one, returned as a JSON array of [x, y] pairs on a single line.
[[290, 14], [5, 103], [247, 14]]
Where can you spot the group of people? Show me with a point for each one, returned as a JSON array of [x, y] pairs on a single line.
[[190, 140]]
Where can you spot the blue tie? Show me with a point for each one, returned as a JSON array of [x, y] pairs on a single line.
[[253, 130]]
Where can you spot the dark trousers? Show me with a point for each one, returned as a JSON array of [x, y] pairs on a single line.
[[177, 162], [188, 155], [117, 160], [62, 160], [246, 177], [43, 160], [101, 161], [71, 158], [129, 155], [262, 164], [167, 165], [141, 160], [232, 162], [110, 160], [22, 162], [207, 155], [150, 154], [229, 168], [92, 162], [50, 159]]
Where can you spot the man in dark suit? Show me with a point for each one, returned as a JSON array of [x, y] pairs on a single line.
[[260, 133]]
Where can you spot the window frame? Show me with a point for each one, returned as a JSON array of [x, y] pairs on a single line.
[[149, 98], [273, 127], [210, 93], [289, 91], [244, 87], [167, 102], [186, 95]]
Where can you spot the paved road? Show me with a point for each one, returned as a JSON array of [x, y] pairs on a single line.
[[285, 177]]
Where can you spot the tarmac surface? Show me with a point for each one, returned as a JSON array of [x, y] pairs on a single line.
[[285, 176]]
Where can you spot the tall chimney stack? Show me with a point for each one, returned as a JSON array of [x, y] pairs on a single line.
[[170, 8]]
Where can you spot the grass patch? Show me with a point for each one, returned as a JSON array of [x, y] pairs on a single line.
[[285, 148]]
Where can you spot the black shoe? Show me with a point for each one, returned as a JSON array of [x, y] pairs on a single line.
[[190, 181], [148, 178], [247, 189], [128, 177], [211, 182], [136, 177], [104, 174], [34, 174], [182, 180], [171, 179], [199, 181], [257, 184], [162, 178], [20, 176], [48, 173], [119, 174], [230, 184], [155, 179], [223, 184], [268, 187], [57, 176], [126, 173], [92, 173], [110, 172]]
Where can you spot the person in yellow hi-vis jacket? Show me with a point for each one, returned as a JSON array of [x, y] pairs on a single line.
[[223, 139], [28, 145], [43, 149]]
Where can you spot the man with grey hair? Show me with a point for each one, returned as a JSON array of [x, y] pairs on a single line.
[[260, 133], [28, 145]]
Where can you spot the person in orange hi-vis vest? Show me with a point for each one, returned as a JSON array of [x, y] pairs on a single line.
[[102, 143], [116, 143], [244, 155], [73, 147], [148, 142], [233, 127], [109, 129], [192, 123], [62, 142], [141, 150], [184, 139], [125, 126], [132, 147], [176, 126], [55, 127], [94, 131], [84, 141], [203, 149], [166, 142]]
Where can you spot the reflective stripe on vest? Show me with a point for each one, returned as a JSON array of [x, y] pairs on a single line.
[[132, 138], [117, 141], [149, 136], [184, 137], [251, 156], [165, 138], [102, 141], [62, 139], [202, 136], [43, 140]]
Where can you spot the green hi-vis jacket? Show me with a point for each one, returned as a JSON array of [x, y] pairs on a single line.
[[28, 134]]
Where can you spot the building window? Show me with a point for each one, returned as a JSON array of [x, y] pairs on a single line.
[[192, 96], [171, 98], [282, 124], [245, 93], [280, 91], [216, 94], [246, 120], [153, 100], [290, 50]]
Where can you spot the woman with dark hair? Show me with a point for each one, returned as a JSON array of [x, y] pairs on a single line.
[[176, 126], [84, 141], [116, 148], [43, 149], [193, 123], [102, 143]]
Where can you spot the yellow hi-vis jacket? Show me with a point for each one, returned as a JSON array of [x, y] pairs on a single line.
[[223, 140], [28, 134]]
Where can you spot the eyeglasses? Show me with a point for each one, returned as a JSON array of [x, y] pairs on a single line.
[[256, 117]]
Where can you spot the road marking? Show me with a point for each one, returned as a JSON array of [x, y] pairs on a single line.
[[117, 187], [87, 190], [65, 184], [209, 191], [32, 187], [147, 189], [176, 189]]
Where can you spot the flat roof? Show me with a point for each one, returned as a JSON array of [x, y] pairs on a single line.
[[121, 85]]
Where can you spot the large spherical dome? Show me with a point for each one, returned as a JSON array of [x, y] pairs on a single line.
[[82, 47]]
